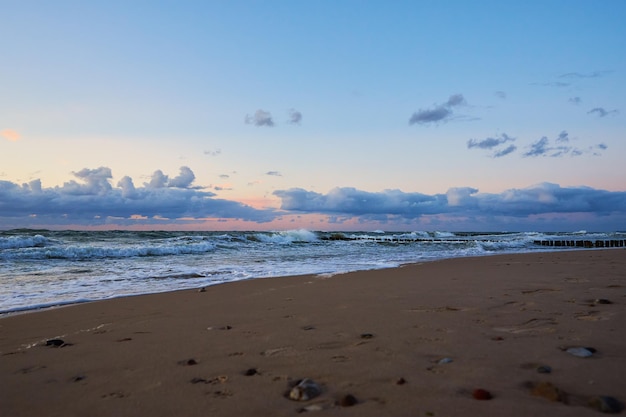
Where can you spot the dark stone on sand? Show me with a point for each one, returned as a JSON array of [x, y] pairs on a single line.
[[55, 342], [606, 404], [78, 378], [602, 301], [544, 369], [305, 390], [481, 394], [188, 362], [226, 327], [367, 336], [401, 381], [348, 401], [250, 372], [308, 328]]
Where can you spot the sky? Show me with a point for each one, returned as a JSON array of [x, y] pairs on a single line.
[[323, 115]]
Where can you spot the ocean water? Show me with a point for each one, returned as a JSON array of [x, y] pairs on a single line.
[[40, 268]]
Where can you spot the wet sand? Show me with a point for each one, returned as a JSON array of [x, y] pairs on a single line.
[[418, 340]]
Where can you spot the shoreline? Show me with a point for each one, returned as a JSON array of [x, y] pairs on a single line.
[[62, 304], [418, 339]]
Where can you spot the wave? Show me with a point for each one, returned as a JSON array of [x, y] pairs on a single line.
[[18, 242]]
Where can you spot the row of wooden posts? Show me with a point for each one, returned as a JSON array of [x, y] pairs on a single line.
[[601, 243]]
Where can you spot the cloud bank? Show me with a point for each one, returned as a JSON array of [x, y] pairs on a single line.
[[91, 199], [544, 198]]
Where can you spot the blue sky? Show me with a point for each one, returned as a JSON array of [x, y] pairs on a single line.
[[326, 115]]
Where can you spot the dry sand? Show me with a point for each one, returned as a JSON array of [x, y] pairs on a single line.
[[377, 337]]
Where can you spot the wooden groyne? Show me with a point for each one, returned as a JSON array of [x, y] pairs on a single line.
[[596, 243]]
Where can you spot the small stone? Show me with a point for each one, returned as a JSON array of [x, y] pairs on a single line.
[[308, 328], [227, 327], [548, 391], [305, 390], [367, 336], [444, 361], [401, 381], [581, 352], [348, 401], [78, 378], [481, 394], [497, 338], [602, 301], [544, 369], [55, 342], [188, 362], [606, 404], [250, 372]]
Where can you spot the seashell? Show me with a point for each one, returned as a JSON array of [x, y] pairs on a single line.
[[305, 390]]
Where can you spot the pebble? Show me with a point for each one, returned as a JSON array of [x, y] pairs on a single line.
[[544, 369], [348, 401], [188, 362], [581, 352], [55, 342], [482, 394], [606, 404], [250, 372], [305, 390], [548, 391], [444, 361], [401, 381], [367, 336], [602, 301]]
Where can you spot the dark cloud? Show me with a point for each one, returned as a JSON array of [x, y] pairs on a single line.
[[503, 152], [274, 173], [575, 100], [439, 113], [92, 200], [602, 112], [492, 143], [540, 199], [295, 117], [544, 147], [260, 118]]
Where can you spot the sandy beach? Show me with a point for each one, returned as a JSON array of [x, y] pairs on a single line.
[[507, 335]]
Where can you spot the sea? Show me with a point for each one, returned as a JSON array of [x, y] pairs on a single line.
[[44, 268]]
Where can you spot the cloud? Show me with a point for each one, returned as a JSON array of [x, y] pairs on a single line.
[[183, 180], [260, 118], [602, 112], [575, 100], [215, 152], [10, 135], [274, 173], [578, 75], [539, 199], [491, 143], [295, 117], [439, 113], [544, 147], [90, 199], [500, 94], [559, 84]]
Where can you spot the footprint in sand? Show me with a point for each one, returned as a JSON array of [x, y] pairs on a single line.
[[532, 326]]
